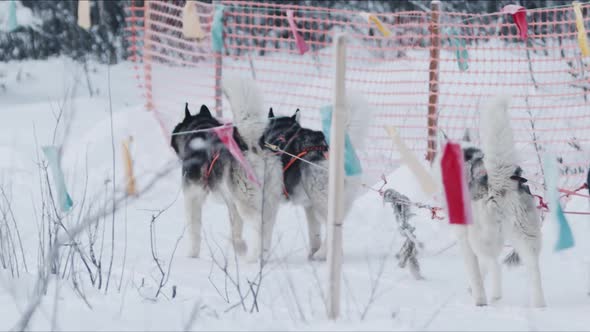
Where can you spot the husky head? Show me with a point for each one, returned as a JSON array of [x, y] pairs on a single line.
[[181, 142], [196, 145], [286, 133]]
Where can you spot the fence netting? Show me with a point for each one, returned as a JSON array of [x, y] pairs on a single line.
[[440, 61]]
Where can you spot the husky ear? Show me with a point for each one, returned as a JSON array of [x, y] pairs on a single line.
[[271, 114], [296, 116], [467, 135], [187, 113], [205, 111]]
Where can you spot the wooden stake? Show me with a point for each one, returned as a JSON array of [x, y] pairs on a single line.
[[336, 179], [433, 79]]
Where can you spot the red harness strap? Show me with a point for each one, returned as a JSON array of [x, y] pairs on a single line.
[[542, 204], [289, 164], [299, 156], [210, 168], [567, 193]]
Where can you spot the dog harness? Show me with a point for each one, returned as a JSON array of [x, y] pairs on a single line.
[[296, 157], [300, 155], [210, 168]]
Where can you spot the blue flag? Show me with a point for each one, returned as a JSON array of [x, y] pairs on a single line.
[[565, 237], [217, 29], [64, 199], [12, 23], [460, 48], [352, 164]]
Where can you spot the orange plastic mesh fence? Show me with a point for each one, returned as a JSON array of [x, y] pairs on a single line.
[[439, 63]]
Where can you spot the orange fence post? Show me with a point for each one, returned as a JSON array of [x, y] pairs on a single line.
[[433, 80], [218, 73], [147, 61]]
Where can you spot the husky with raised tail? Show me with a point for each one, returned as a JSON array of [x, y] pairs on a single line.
[[302, 176], [209, 167], [502, 206], [306, 183]]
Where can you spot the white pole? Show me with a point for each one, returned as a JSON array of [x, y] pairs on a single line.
[[336, 179]]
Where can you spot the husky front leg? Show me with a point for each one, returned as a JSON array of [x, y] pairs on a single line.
[[493, 268], [237, 229], [530, 258], [269, 216], [314, 231], [472, 267], [236, 222], [194, 197]]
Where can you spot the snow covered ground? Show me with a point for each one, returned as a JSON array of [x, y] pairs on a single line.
[[197, 294]]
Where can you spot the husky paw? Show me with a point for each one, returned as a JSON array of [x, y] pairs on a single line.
[[320, 254], [251, 259], [539, 303], [240, 247], [194, 253], [312, 252]]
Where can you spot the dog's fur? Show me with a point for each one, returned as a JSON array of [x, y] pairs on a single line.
[[307, 185], [224, 177], [246, 106], [502, 206]]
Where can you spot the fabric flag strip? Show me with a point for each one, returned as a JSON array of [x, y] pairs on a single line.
[[129, 176], [519, 15], [370, 18], [301, 44], [352, 163], [427, 183], [582, 38], [565, 238], [64, 199], [217, 29], [461, 49], [84, 14], [225, 134], [191, 23], [456, 192], [12, 22]]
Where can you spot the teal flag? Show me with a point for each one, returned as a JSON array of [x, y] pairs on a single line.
[[461, 49], [352, 164], [12, 23], [64, 199], [217, 29], [565, 238]]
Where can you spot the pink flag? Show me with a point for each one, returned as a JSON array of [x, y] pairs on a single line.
[[519, 15], [225, 134], [298, 38], [456, 191]]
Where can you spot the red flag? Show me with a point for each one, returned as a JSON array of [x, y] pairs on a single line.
[[301, 45], [456, 192], [519, 15], [225, 134]]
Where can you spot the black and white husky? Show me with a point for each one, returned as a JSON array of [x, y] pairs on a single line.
[[502, 206], [209, 167], [303, 178]]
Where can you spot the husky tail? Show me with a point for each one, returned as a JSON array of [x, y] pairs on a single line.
[[358, 120], [497, 142], [246, 103]]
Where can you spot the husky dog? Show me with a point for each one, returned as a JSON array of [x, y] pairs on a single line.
[[247, 109], [295, 178], [305, 173], [209, 167], [502, 207]]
